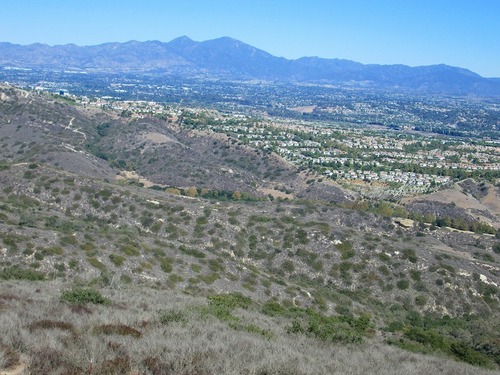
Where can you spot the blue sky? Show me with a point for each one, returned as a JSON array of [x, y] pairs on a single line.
[[463, 33]]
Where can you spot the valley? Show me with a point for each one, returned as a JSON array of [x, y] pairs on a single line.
[[128, 226]]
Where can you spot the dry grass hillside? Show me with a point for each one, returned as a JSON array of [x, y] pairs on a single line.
[[106, 276], [143, 330], [468, 200]]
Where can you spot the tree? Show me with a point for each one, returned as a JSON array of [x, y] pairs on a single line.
[[384, 209], [172, 190], [191, 192]]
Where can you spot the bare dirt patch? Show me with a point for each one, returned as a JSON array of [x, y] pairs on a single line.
[[457, 197], [275, 193], [158, 138], [130, 175], [485, 210], [304, 109], [492, 200]]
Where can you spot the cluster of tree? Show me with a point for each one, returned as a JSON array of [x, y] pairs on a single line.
[[380, 208], [224, 195], [393, 210]]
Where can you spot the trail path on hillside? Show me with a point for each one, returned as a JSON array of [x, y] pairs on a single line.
[[77, 130]]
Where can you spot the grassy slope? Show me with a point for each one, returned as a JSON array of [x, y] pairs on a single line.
[[155, 331]]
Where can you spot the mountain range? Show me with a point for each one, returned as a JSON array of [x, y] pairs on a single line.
[[227, 58]]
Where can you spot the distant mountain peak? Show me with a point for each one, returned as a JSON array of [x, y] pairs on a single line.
[[182, 38], [226, 57]]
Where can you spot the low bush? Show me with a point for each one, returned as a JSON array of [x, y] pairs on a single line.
[[192, 252], [403, 284], [172, 316], [97, 264], [50, 324], [166, 264], [273, 308], [344, 329], [83, 296], [117, 260], [18, 273], [410, 254], [230, 301], [117, 329]]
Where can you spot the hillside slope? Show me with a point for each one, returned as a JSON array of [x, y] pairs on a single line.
[[257, 272]]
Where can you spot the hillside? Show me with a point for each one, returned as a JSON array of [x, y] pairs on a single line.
[[101, 144], [468, 200], [100, 274], [230, 59]]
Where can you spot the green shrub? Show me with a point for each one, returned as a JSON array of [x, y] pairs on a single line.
[[171, 316], [496, 247], [395, 326], [420, 300], [428, 337], [17, 273], [196, 267], [210, 278], [215, 265], [288, 266], [296, 327], [410, 254], [53, 250], [384, 270], [68, 240], [10, 242], [273, 308], [403, 284], [173, 278], [230, 301], [429, 341], [416, 275], [131, 249], [193, 252], [117, 260], [88, 247], [97, 264], [344, 246], [301, 236], [222, 305], [166, 264], [464, 353], [252, 328], [345, 329], [60, 267], [83, 296]]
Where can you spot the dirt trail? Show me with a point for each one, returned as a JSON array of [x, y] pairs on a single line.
[[76, 130]]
